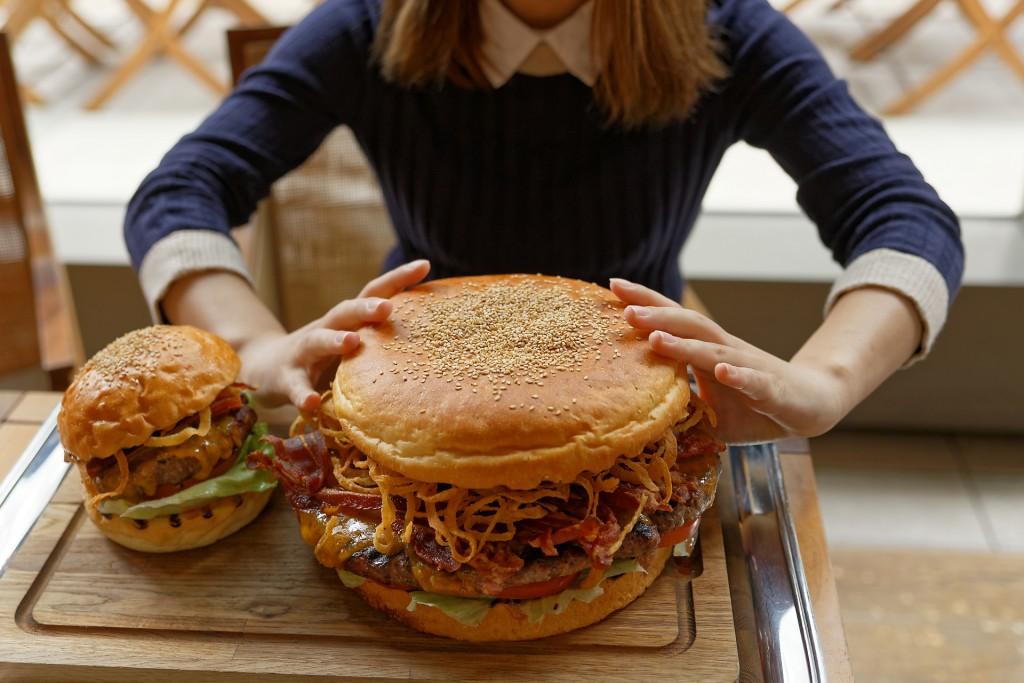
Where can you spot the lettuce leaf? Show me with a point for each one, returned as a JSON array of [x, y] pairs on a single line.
[[622, 566], [238, 479], [471, 611], [535, 610], [349, 579], [466, 611]]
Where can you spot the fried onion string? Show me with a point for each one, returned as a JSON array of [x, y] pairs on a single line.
[[464, 520]]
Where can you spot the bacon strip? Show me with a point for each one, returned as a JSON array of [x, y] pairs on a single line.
[[697, 442], [426, 547], [302, 465]]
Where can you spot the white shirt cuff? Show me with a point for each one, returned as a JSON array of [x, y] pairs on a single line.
[[183, 252], [909, 275]]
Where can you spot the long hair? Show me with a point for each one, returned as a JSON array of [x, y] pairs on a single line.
[[655, 57]]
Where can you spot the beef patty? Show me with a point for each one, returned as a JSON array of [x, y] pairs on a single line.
[[153, 467]]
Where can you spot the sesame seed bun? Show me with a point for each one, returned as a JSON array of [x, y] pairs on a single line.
[[505, 621], [142, 382], [505, 380], [191, 529]]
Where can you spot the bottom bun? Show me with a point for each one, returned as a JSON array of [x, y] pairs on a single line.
[[186, 530], [506, 622]]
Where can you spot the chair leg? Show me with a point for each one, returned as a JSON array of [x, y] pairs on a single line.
[[870, 47], [792, 5], [186, 28], [156, 37], [19, 16], [72, 41], [983, 21], [984, 41], [161, 36], [183, 57], [30, 96], [82, 23]]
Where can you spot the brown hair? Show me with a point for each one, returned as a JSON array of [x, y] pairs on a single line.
[[655, 57]]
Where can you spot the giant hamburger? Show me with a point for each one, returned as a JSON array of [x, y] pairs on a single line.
[[503, 459], [159, 430]]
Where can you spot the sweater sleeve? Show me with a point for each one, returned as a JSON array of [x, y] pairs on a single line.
[[179, 219], [883, 223]]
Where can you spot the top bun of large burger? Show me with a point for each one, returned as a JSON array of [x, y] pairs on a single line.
[[505, 380], [151, 421], [503, 459]]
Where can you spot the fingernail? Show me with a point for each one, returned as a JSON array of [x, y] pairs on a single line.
[[638, 311], [620, 281], [341, 339], [413, 265], [373, 306]]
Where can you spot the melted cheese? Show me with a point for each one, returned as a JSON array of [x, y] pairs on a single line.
[[334, 539], [207, 450], [435, 581]]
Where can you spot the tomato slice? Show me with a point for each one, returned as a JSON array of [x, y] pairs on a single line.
[[540, 589], [677, 535]]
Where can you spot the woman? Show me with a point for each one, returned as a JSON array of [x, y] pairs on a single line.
[[565, 137]]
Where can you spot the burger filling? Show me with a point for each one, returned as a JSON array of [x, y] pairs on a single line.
[[441, 542], [164, 474]]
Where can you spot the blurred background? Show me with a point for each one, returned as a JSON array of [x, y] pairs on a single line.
[[922, 489]]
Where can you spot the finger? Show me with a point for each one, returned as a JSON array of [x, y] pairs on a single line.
[[354, 313], [677, 321], [756, 385], [632, 293], [699, 354], [397, 279], [320, 344], [300, 391]]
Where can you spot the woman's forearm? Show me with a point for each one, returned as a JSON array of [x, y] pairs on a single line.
[[223, 303], [869, 334]]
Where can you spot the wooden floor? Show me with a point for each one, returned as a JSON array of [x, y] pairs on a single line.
[[926, 536]]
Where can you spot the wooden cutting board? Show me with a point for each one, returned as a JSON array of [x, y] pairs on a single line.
[[75, 606]]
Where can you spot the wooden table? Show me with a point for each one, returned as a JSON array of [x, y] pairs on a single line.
[[22, 413]]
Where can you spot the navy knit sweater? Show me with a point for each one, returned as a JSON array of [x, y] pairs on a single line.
[[529, 178]]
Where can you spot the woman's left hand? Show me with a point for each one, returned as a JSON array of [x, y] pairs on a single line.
[[757, 396]]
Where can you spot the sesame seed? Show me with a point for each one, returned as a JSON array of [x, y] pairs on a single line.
[[520, 331]]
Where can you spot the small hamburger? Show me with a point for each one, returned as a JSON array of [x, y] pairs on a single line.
[[159, 430], [503, 459]]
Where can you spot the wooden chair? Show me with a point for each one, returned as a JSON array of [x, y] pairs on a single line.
[[62, 18], [992, 34], [324, 231], [37, 325], [163, 36]]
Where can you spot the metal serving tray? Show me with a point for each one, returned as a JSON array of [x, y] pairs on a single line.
[[766, 576]]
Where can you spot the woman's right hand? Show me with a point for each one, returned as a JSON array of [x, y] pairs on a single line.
[[287, 366]]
